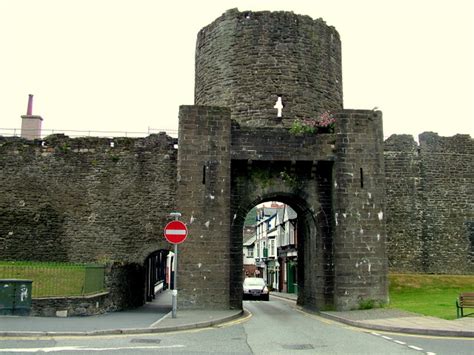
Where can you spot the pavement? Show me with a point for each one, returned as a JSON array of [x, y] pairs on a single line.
[[156, 317], [395, 320]]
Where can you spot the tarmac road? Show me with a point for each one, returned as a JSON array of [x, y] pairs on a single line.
[[274, 327]]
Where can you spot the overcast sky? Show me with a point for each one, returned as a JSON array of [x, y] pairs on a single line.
[[127, 65]]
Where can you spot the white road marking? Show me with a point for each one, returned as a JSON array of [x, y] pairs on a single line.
[[159, 320], [81, 348], [402, 343]]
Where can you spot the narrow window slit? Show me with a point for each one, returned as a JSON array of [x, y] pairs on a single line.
[[203, 174], [361, 178]]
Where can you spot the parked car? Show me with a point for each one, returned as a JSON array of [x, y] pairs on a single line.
[[255, 288]]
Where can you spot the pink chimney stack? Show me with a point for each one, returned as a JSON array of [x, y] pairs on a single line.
[[31, 124]]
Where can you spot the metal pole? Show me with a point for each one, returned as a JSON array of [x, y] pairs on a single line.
[[174, 292]]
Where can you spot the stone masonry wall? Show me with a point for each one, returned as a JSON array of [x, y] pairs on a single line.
[[278, 144], [81, 200], [84, 200], [74, 306], [447, 173], [245, 60], [404, 204], [359, 210], [430, 203], [203, 198]]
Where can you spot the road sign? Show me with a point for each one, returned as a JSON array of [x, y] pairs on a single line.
[[176, 232]]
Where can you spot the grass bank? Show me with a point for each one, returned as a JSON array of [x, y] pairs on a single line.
[[56, 279], [431, 295]]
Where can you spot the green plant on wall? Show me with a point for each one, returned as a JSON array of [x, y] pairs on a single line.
[[367, 304], [64, 147], [301, 127], [104, 259], [115, 158], [261, 177], [290, 179]]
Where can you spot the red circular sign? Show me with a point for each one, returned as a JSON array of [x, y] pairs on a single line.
[[176, 232]]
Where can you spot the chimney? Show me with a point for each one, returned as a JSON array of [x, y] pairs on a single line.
[[30, 124], [29, 110]]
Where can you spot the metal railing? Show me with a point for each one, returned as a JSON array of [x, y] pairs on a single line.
[[16, 132], [56, 279]]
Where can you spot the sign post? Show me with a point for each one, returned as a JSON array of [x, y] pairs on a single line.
[[175, 233]]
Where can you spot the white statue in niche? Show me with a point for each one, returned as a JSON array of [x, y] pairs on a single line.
[[279, 106]]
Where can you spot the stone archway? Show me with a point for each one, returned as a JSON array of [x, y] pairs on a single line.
[[335, 179], [306, 187]]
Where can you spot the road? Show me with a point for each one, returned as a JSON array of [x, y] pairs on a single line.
[[274, 327]]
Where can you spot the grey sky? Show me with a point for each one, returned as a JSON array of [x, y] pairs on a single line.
[[127, 65]]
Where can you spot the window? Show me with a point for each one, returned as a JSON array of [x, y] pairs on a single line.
[[271, 251]]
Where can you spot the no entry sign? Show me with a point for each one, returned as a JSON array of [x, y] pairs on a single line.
[[176, 232]]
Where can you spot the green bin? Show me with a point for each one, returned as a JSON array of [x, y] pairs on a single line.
[[15, 297], [7, 296]]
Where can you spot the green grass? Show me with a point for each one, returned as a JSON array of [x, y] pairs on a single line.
[[431, 295], [49, 279]]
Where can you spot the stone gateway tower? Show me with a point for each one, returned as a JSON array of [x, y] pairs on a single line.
[[257, 74], [268, 125]]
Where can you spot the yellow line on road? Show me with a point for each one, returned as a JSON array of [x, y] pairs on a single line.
[[245, 318], [319, 318], [240, 320]]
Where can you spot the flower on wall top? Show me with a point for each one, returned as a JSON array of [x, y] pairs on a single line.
[[324, 123], [326, 119]]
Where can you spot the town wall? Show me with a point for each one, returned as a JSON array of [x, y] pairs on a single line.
[[81, 200], [87, 200], [430, 203]]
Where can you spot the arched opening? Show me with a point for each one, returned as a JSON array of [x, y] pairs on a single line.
[[145, 282], [152, 281], [158, 273], [308, 268]]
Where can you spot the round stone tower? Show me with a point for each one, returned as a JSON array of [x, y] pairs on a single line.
[[248, 60]]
